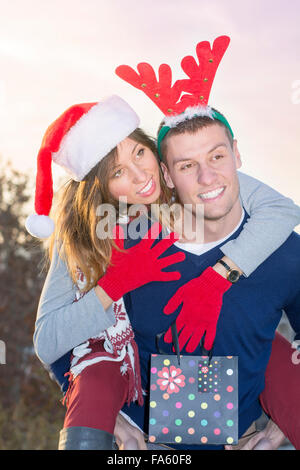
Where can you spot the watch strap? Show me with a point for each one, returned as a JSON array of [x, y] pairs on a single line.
[[230, 272], [224, 264]]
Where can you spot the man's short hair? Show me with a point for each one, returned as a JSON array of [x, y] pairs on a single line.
[[191, 126]]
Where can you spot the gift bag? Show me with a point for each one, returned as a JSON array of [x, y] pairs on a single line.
[[193, 399]]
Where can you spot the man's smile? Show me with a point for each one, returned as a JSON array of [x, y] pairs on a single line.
[[212, 195]]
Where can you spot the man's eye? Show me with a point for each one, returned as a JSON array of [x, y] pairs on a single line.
[[217, 157], [186, 166]]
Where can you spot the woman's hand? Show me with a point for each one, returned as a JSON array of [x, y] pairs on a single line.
[[201, 300], [128, 437], [139, 265]]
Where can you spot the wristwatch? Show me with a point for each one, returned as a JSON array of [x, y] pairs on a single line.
[[232, 275]]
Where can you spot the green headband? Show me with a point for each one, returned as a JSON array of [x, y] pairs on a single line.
[[165, 129]]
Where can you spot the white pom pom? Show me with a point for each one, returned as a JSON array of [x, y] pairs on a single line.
[[40, 226]]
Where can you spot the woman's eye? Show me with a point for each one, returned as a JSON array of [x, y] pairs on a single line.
[[117, 173], [140, 152]]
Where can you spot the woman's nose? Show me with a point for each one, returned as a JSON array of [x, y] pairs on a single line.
[[139, 175]]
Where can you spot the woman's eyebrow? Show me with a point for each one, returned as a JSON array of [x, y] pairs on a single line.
[[134, 147], [115, 167], [119, 164]]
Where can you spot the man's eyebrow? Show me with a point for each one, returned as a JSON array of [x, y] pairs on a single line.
[[221, 144], [182, 159]]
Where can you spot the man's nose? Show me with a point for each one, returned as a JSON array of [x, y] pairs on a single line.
[[206, 175]]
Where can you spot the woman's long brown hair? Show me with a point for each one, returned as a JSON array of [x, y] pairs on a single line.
[[76, 218]]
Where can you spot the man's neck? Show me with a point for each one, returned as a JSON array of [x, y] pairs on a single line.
[[217, 229]]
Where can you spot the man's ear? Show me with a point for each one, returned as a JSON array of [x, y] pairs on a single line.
[[167, 176], [237, 155]]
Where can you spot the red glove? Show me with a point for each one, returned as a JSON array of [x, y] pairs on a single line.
[[139, 265], [202, 301]]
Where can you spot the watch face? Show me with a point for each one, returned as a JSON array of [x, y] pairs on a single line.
[[233, 276]]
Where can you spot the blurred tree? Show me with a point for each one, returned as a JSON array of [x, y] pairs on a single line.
[[30, 412]]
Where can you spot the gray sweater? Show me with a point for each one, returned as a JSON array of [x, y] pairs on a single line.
[[63, 324]]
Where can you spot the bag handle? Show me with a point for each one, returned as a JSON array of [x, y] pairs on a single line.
[[204, 352], [175, 343]]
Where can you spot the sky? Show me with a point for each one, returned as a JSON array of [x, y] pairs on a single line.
[[57, 53]]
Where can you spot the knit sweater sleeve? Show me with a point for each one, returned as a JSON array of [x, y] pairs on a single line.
[[273, 217], [63, 323]]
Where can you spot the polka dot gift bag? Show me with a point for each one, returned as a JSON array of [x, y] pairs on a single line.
[[193, 399]]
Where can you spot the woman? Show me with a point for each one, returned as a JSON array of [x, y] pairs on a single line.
[[109, 159]]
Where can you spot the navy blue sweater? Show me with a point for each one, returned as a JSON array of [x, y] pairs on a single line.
[[250, 314]]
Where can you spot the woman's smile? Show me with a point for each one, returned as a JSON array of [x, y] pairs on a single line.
[[148, 189]]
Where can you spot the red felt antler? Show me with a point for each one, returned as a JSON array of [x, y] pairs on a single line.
[[202, 75], [159, 91], [197, 87]]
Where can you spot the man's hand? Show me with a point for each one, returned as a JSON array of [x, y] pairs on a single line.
[[127, 436], [269, 439]]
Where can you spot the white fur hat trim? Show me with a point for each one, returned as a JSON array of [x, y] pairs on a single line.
[[189, 113], [94, 135]]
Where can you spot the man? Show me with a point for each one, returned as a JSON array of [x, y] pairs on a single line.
[[200, 161]]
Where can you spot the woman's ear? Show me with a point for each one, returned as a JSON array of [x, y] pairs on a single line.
[[167, 176]]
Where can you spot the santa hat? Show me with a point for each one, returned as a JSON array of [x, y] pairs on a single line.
[[187, 98], [82, 136]]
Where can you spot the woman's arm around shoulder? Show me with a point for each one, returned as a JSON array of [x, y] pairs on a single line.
[[63, 322]]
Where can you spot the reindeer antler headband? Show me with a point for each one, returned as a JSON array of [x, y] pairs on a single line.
[[178, 107]]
